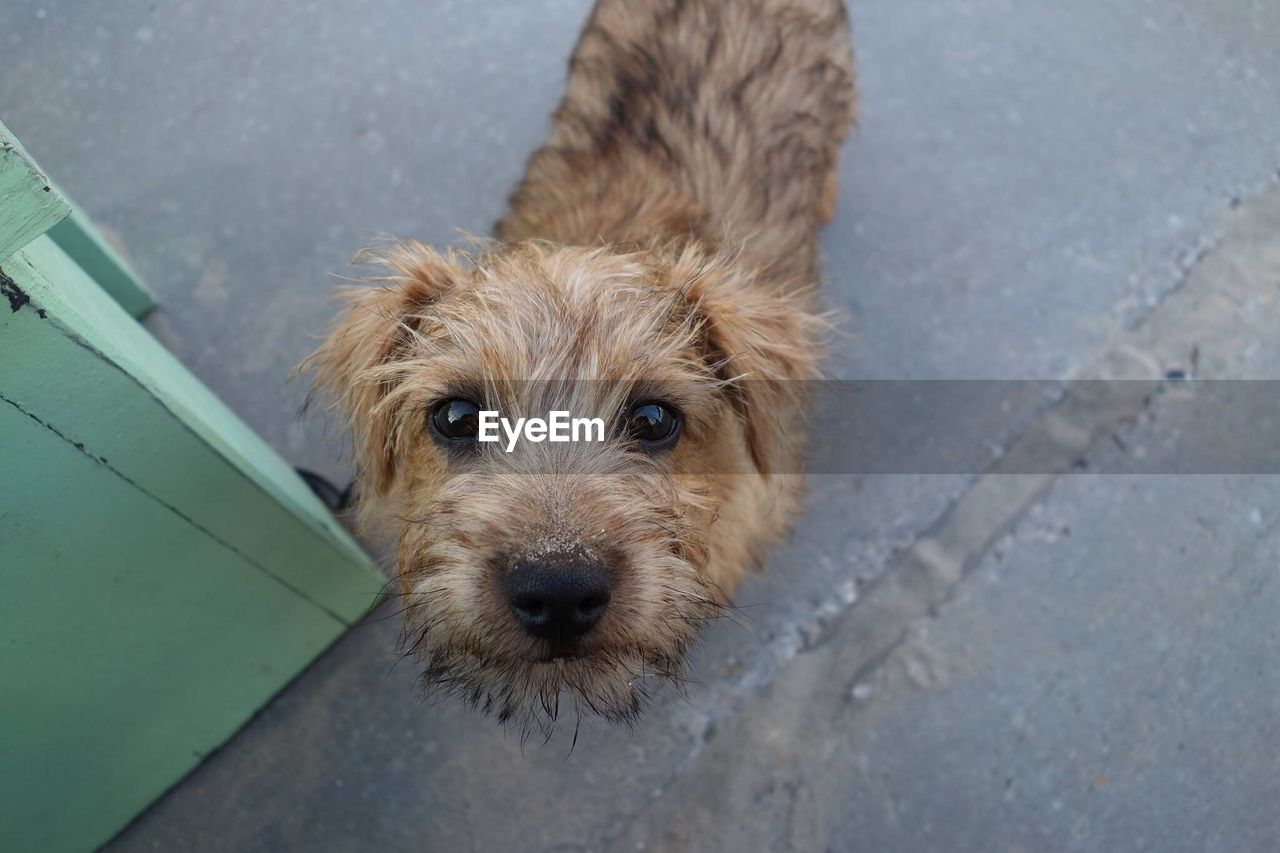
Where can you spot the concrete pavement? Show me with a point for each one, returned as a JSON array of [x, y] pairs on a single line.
[[933, 662]]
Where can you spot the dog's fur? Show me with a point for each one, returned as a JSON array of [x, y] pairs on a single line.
[[662, 245]]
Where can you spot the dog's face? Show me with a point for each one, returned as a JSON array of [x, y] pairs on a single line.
[[536, 571]]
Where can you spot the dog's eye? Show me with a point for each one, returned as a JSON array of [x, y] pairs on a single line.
[[654, 425], [456, 419]]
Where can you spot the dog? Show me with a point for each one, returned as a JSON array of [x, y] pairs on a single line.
[[658, 270]]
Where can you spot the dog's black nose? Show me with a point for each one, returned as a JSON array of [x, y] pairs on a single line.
[[558, 599]]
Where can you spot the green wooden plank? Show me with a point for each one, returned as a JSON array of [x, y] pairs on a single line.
[[204, 459], [162, 570], [29, 204], [83, 243], [101, 323], [133, 642]]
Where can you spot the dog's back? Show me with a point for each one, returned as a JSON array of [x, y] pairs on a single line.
[[717, 120]]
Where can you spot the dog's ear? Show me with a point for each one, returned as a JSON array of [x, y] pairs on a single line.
[[763, 341], [358, 366]]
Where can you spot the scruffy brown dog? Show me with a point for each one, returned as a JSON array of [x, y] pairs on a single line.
[[657, 270]]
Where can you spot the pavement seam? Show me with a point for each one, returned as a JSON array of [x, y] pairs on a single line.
[[1055, 434], [1087, 412], [928, 573]]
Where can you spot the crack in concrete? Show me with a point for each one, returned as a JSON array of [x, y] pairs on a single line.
[[924, 578]]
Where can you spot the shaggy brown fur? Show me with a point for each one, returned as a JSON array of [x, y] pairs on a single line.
[[662, 246]]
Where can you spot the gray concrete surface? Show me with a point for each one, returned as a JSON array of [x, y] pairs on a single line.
[[962, 663]]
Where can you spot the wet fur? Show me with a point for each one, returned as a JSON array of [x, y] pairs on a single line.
[[661, 245]]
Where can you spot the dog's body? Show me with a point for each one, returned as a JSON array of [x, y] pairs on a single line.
[[657, 268], [712, 120]]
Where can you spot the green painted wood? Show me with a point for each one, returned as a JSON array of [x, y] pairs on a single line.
[[135, 404], [162, 571], [83, 243], [132, 643], [29, 203]]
